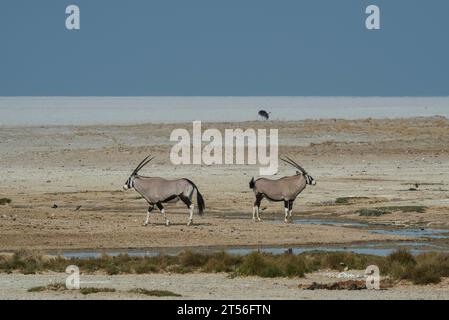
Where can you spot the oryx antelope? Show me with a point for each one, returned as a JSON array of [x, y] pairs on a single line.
[[284, 189], [157, 191]]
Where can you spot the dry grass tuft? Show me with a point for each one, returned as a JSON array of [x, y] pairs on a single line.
[[154, 293], [379, 211], [400, 265], [4, 201]]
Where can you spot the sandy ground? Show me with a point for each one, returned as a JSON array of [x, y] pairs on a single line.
[[82, 170], [211, 286], [85, 168]]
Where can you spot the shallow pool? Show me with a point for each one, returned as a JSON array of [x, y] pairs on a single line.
[[378, 249]]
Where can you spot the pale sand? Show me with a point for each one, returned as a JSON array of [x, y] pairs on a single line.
[[211, 286], [87, 166]]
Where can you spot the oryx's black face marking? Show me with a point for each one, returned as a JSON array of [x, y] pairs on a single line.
[[129, 183], [310, 180]]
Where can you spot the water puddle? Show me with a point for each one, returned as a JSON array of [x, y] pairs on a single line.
[[407, 232], [378, 249], [374, 248], [415, 233], [331, 223]]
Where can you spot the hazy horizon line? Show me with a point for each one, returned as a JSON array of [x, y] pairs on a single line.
[[219, 96]]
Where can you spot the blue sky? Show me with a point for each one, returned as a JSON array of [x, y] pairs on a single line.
[[224, 48]]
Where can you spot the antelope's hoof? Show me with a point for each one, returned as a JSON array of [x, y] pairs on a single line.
[[167, 223], [190, 223], [145, 224], [259, 219], [286, 221]]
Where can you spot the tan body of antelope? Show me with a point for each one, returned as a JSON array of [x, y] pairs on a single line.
[[157, 191], [284, 189]]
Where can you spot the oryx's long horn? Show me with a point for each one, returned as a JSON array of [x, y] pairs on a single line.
[[294, 164], [144, 164], [141, 164], [290, 163], [298, 166]]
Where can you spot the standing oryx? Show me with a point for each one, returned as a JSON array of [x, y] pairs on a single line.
[[284, 189], [158, 190]]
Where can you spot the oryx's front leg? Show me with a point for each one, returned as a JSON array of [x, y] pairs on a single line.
[[148, 215], [256, 207], [161, 208]]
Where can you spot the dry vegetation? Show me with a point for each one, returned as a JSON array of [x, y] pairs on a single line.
[[400, 265], [93, 290], [379, 211], [5, 201]]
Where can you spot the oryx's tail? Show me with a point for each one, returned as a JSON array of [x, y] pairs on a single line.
[[199, 199], [200, 202]]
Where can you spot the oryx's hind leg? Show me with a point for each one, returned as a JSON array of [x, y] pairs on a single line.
[[189, 204], [256, 207], [290, 209], [148, 214], [161, 208]]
